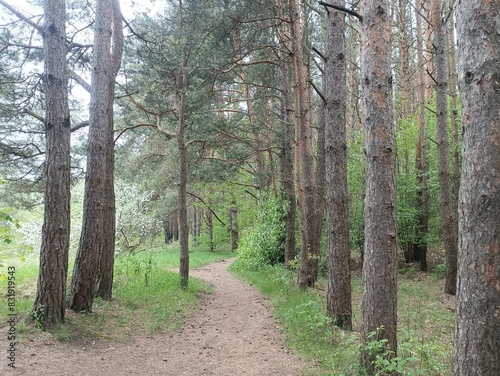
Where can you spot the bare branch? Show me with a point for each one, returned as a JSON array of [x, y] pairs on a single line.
[[348, 11], [79, 80], [34, 114], [208, 207], [21, 16], [316, 89], [193, 141]]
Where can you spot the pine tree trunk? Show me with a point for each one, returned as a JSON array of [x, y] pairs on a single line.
[[233, 216], [421, 153], [477, 329], [379, 307], [49, 302], [453, 92], [210, 225], [448, 219], [337, 197], [105, 283], [287, 136], [175, 225], [86, 271], [183, 164], [303, 137]]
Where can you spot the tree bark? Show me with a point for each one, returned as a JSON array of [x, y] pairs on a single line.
[[448, 219], [233, 216], [183, 165], [209, 220], [379, 307], [421, 153], [453, 92], [49, 302], [337, 198], [303, 137], [287, 136], [105, 282], [406, 112], [86, 271], [477, 329]]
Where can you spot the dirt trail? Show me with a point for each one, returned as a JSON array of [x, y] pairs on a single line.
[[232, 333]]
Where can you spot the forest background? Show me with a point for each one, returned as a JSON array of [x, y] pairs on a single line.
[[238, 126]]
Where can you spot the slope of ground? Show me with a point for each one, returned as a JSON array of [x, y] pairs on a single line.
[[232, 333]]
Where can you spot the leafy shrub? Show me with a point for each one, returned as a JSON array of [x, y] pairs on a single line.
[[262, 244]]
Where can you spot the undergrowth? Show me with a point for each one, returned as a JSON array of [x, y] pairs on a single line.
[[424, 334], [147, 297]]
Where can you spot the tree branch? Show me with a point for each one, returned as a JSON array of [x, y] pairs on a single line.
[[208, 207], [79, 80], [21, 16], [193, 141], [316, 89], [319, 53], [348, 11], [40, 118]]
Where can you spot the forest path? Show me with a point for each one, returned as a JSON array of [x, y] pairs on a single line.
[[232, 333]]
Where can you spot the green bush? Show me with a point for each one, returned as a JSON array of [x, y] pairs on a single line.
[[262, 244]]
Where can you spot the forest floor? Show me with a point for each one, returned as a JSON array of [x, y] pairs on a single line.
[[232, 333]]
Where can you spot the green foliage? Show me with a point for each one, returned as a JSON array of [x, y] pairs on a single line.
[[136, 225], [38, 316], [425, 328], [357, 187], [6, 224], [303, 315], [440, 270], [146, 296], [262, 244]]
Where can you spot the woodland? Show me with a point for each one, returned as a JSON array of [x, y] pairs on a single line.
[[347, 153]]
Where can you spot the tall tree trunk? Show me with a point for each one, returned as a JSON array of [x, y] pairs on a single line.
[[477, 329], [353, 119], [448, 219], [210, 225], [406, 112], [233, 216], [287, 136], [426, 6], [379, 307], [337, 198], [167, 226], [175, 225], [453, 92], [105, 283], [196, 224], [51, 287], [421, 152], [181, 147], [319, 199], [303, 137], [88, 259]]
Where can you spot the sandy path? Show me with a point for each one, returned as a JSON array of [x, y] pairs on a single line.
[[232, 333]]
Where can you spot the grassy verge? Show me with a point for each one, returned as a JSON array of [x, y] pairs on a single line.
[[425, 324], [146, 297]]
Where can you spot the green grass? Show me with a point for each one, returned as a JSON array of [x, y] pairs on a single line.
[[147, 296], [424, 333]]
